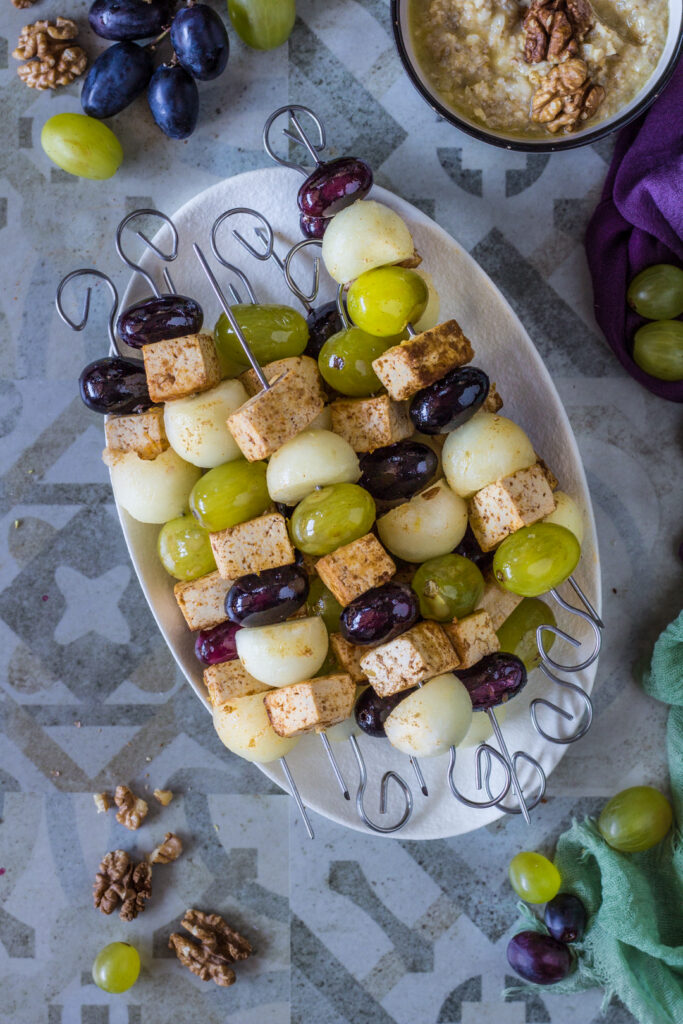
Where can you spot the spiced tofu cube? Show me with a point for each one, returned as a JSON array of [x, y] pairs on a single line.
[[418, 362], [416, 655], [472, 637], [229, 680], [258, 544], [497, 602], [369, 423], [493, 402], [349, 656], [553, 482], [141, 432], [313, 704], [359, 566], [305, 368], [509, 504], [181, 366], [202, 601]]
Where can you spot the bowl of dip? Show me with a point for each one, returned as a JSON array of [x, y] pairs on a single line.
[[539, 75]]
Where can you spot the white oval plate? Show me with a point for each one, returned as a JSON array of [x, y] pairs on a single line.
[[506, 352]]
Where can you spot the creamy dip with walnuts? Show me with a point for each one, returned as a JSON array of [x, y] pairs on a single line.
[[475, 54]]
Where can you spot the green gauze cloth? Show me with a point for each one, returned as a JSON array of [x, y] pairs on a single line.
[[633, 945]]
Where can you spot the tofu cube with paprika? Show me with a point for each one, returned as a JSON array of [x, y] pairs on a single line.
[[418, 362], [304, 367], [202, 601], [369, 423], [257, 544], [509, 504], [472, 637], [315, 704], [181, 366], [229, 680], [359, 566], [418, 654], [141, 432], [349, 656]]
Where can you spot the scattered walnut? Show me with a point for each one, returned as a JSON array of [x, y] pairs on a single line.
[[215, 946], [102, 802], [119, 880], [554, 29], [164, 796], [52, 58], [132, 809], [139, 889], [493, 402], [22, 4], [169, 850], [566, 97], [202, 963]]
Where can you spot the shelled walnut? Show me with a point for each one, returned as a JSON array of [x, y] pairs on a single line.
[[22, 4], [554, 29], [165, 852], [120, 880], [214, 947], [132, 809], [51, 56], [566, 97]]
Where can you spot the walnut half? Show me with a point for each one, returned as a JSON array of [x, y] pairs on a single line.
[[554, 29], [132, 809], [52, 58], [566, 97], [214, 947], [165, 852], [119, 880]]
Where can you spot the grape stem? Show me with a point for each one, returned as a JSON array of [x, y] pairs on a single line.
[[155, 42]]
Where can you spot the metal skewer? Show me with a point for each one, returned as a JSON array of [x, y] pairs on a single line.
[[167, 257], [386, 779], [114, 343], [298, 136]]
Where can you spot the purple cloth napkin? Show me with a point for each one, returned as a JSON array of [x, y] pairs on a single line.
[[638, 222]]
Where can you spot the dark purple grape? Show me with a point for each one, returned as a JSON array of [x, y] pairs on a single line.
[[114, 80], [469, 548], [261, 599], [539, 958], [397, 471], [173, 99], [449, 402], [322, 323], [313, 227], [129, 19], [565, 917], [200, 41], [372, 711], [169, 316], [495, 679], [334, 185], [114, 385], [380, 614], [217, 644]]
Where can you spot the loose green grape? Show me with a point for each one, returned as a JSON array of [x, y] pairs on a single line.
[[81, 145], [116, 967], [657, 292], [322, 602], [273, 332], [658, 349], [448, 587], [384, 301], [345, 362], [331, 517], [185, 549], [230, 494], [635, 819], [263, 24], [517, 635], [533, 877], [536, 558]]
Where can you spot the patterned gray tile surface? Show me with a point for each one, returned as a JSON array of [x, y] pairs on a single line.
[[349, 930]]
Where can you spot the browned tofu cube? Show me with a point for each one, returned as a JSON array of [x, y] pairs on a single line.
[[305, 368], [493, 402], [181, 366], [202, 601], [472, 637], [369, 423], [258, 544], [349, 571], [229, 680], [141, 432], [553, 482], [497, 602], [349, 656], [420, 361], [313, 704], [509, 504], [416, 655]]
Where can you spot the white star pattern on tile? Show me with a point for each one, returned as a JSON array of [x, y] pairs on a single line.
[[92, 605]]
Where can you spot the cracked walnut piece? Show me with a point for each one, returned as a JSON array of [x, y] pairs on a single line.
[[566, 97], [214, 947], [165, 852], [132, 809], [22, 4], [119, 880], [554, 29], [52, 58]]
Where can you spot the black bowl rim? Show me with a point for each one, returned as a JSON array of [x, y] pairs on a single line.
[[567, 141]]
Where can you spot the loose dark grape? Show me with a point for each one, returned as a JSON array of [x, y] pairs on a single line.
[[449, 402], [334, 185], [114, 80], [322, 323], [469, 548], [169, 316], [313, 227], [129, 19], [539, 958], [173, 99], [565, 917], [372, 711], [398, 470], [200, 41], [494, 680], [379, 615], [114, 385], [217, 644], [260, 599]]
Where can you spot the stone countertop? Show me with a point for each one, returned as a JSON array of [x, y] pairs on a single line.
[[349, 929]]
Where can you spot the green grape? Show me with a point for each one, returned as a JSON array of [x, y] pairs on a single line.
[[273, 332], [448, 587], [345, 362], [322, 602], [185, 549], [81, 145], [658, 349], [517, 635], [657, 292], [116, 967], [384, 301], [331, 517], [263, 24], [635, 819], [533, 877], [536, 558], [230, 494]]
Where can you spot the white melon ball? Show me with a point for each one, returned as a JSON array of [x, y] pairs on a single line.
[[285, 653], [312, 459], [430, 317], [432, 719], [151, 490], [480, 731], [567, 513], [482, 451], [365, 235], [196, 427], [243, 726], [430, 524]]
